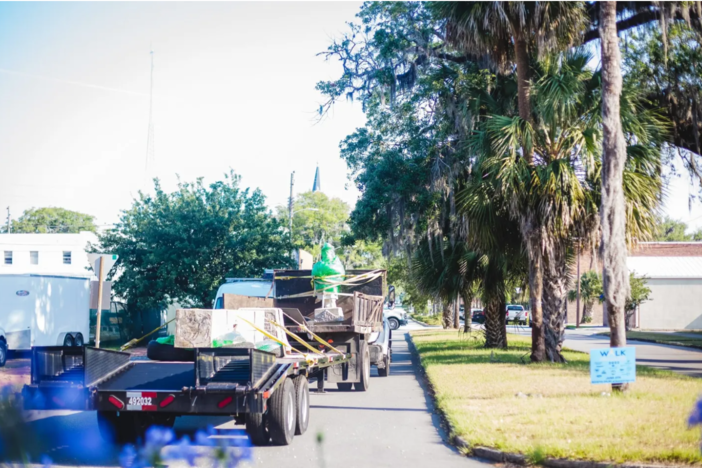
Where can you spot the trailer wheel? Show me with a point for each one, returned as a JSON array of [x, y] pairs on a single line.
[[68, 340], [3, 352], [302, 404], [344, 386], [257, 428], [116, 427], [364, 353], [281, 417], [385, 371]]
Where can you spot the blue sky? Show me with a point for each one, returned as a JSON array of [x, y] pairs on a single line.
[[234, 86]]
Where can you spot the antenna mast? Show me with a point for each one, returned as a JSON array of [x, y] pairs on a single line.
[[150, 152]]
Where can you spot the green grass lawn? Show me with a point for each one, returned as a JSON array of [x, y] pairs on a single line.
[[564, 415], [666, 338], [428, 319]]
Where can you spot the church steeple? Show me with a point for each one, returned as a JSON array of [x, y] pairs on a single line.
[[317, 186]]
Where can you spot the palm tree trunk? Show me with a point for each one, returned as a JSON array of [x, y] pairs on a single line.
[[447, 314], [538, 344], [456, 314], [495, 325], [468, 316], [587, 311], [522, 56], [615, 276], [555, 300]]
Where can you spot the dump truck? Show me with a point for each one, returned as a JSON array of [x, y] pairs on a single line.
[[266, 392]]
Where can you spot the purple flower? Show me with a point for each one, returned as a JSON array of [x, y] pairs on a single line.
[[128, 457], [695, 418], [203, 438], [46, 461], [184, 451]]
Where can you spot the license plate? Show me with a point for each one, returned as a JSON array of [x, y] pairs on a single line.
[[141, 401]]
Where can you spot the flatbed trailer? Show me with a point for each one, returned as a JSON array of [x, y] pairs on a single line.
[[269, 394]]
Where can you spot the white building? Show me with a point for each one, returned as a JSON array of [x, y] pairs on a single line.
[[676, 289], [46, 254]]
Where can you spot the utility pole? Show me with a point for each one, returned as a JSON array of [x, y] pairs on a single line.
[[150, 150], [9, 224], [290, 211], [577, 302]]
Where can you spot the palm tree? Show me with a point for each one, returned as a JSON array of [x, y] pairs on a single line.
[[447, 271], [615, 274], [590, 291], [556, 197], [508, 32]]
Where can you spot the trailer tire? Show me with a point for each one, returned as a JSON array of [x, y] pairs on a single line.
[[364, 354], [302, 404], [281, 414], [163, 352], [116, 427], [385, 371], [3, 352], [344, 386], [257, 428]]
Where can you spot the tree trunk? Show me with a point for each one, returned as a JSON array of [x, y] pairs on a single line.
[[538, 343], [495, 325], [587, 311], [555, 294], [447, 314], [468, 315], [522, 55], [456, 314], [615, 276]]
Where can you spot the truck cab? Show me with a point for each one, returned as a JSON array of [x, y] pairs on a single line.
[[252, 287]]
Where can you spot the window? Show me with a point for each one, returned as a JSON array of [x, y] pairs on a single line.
[[66, 257], [8, 257], [34, 257]]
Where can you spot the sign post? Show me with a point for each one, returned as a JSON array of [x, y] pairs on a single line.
[[613, 365], [101, 263]]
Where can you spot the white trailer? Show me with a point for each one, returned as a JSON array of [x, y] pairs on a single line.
[[43, 310]]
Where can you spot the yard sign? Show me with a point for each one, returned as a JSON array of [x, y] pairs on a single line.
[[613, 365]]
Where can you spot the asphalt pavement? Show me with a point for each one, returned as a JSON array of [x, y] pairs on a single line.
[[393, 424]]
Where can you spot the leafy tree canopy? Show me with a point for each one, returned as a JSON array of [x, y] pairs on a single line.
[[53, 220], [671, 230], [180, 246], [318, 219]]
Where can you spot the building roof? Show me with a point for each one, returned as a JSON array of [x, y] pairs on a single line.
[[667, 249], [666, 267]]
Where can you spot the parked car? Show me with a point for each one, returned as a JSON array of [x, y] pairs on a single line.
[[477, 315], [381, 348], [395, 316], [517, 313]]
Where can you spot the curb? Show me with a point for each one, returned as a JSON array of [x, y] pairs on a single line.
[[500, 456]]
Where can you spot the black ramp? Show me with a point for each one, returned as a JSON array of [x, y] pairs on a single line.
[[153, 376]]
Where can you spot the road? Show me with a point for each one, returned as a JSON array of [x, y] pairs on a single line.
[[393, 424], [679, 359]]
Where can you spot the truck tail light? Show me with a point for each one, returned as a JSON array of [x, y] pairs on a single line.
[[167, 401], [116, 401], [225, 402]]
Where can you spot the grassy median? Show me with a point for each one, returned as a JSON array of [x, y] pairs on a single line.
[[495, 399], [686, 339]]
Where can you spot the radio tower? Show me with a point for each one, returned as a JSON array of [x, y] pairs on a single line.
[[150, 152]]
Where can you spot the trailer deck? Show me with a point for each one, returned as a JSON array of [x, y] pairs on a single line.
[[152, 376]]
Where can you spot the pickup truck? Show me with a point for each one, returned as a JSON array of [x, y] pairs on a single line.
[[516, 313]]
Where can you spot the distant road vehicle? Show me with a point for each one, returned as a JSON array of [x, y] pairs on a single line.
[[396, 317], [42, 310], [381, 349], [477, 315], [517, 313]]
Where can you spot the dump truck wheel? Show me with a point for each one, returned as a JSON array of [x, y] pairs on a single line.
[[344, 386], [257, 428], [302, 404], [281, 414], [362, 386], [384, 372]]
